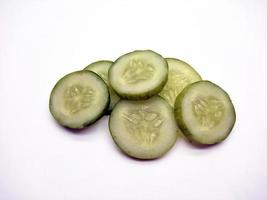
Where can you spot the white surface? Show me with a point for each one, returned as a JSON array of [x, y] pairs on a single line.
[[40, 41]]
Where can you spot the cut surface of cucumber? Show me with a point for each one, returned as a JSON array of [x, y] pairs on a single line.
[[79, 99], [138, 74], [101, 68], [205, 113], [180, 75], [144, 129]]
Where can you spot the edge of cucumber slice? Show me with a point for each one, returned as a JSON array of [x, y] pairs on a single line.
[[180, 75], [87, 122], [182, 61], [97, 62], [184, 127], [140, 95]]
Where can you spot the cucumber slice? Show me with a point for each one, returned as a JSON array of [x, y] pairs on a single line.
[[138, 75], [79, 99], [144, 129], [101, 68], [180, 75], [205, 113]]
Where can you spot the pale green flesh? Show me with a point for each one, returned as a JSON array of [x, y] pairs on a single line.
[[180, 75], [101, 68], [144, 129], [205, 113], [79, 99], [138, 75]]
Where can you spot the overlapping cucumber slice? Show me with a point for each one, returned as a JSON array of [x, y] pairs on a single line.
[[79, 99], [101, 68], [180, 75]]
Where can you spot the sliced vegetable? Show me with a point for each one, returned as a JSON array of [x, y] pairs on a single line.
[[144, 129], [79, 99], [138, 75], [205, 113], [180, 75]]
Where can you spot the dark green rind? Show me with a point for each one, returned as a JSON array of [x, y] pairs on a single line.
[[144, 95], [129, 153], [183, 127], [99, 61], [178, 113], [87, 123], [110, 108]]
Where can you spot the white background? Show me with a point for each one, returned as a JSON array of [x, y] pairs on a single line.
[[40, 41]]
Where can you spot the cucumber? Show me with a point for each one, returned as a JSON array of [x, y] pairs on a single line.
[[79, 99], [205, 113], [180, 75], [144, 129], [101, 68], [138, 75]]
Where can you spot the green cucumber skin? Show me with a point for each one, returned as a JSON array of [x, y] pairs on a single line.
[[129, 153], [124, 151], [178, 115], [109, 110], [179, 119], [193, 69], [145, 95], [99, 61], [88, 122]]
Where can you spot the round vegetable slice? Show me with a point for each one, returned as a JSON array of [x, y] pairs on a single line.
[[79, 99], [180, 75], [205, 113], [144, 129], [139, 74], [101, 68]]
